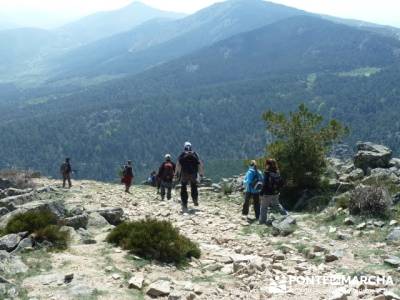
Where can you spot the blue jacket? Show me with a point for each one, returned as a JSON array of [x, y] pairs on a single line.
[[249, 179]]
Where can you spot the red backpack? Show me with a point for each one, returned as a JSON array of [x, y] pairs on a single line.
[[168, 171]]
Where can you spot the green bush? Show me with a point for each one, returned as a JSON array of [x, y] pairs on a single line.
[[30, 221], [42, 224], [370, 201], [53, 234], [301, 143], [153, 239]]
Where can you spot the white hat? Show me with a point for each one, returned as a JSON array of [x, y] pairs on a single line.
[[188, 144], [167, 156]]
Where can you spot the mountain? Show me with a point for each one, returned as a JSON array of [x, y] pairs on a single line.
[[104, 24], [160, 41], [214, 98]]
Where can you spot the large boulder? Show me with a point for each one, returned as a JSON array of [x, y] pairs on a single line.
[[10, 264], [12, 202], [9, 242], [284, 226], [112, 215], [78, 221], [394, 235], [371, 156]]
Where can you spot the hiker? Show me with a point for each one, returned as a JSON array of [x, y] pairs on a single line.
[[166, 176], [127, 176], [253, 184], [188, 168], [152, 179], [272, 184], [66, 171]]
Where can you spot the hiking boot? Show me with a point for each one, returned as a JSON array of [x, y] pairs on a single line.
[[184, 209], [195, 202]]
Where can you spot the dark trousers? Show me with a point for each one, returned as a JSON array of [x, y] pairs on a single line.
[[166, 188], [185, 181], [256, 204], [67, 177]]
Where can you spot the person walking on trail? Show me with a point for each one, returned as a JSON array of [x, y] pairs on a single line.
[[127, 176], [66, 171], [272, 185], [253, 184], [188, 168], [166, 176]]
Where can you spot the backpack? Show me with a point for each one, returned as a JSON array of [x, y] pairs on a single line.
[[168, 171], [274, 183], [257, 183], [189, 162]]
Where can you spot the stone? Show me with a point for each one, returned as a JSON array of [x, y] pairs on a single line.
[[3, 280], [284, 226], [348, 221], [24, 244], [361, 226], [115, 276], [9, 242], [372, 156], [112, 215], [12, 202], [136, 281], [330, 257], [97, 221], [10, 264], [356, 174], [391, 295], [319, 248], [3, 211], [379, 223], [159, 288], [394, 235], [393, 223], [78, 221], [68, 278], [339, 294], [393, 261]]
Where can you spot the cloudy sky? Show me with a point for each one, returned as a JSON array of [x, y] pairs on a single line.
[[379, 11]]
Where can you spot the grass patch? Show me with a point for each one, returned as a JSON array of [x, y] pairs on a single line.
[[153, 239], [42, 225], [260, 230]]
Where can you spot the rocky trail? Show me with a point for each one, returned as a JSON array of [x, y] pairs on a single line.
[[240, 259]]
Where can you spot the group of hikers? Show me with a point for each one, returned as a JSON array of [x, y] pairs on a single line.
[[261, 187]]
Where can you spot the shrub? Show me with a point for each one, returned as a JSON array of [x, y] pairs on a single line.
[[153, 239], [30, 221], [53, 234], [42, 224], [300, 145], [370, 201]]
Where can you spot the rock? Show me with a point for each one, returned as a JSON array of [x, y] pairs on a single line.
[[3, 211], [97, 221], [393, 261], [320, 248], [136, 281], [9, 242], [393, 223], [333, 256], [115, 276], [348, 221], [394, 162], [112, 215], [379, 223], [10, 264], [361, 226], [396, 199], [68, 278], [5, 184], [12, 203], [159, 288], [78, 221], [394, 235], [372, 156], [339, 294], [3, 280], [25, 244], [284, 226], [391, 296], [356, 174]]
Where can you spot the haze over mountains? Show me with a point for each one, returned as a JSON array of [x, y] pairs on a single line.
[[206, 78]]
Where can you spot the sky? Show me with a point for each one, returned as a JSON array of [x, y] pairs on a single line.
[[386, 12]]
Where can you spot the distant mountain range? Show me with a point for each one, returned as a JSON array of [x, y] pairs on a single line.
[[206, 78]]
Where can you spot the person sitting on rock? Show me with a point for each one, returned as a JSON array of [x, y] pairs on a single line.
[[188, 167], [252, 184], [166, 176], [127, 176], [272, 185], [66, 171]]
